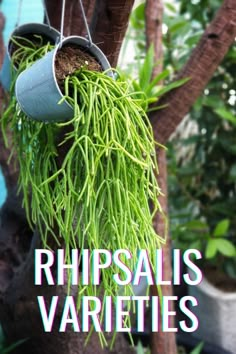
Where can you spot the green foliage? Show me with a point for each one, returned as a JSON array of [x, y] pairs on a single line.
[[202, 169], [181, 350], [142, 350], [151, 87], [202, 178], [197, 234], [5, 349], [226, 114], [198, 348]]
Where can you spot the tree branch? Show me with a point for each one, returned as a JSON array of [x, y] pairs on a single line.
[[161, 342], [154, 14], [109, 24], [108, 21], [74, 24], [202, 64]]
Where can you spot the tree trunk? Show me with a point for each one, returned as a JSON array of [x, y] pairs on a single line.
[[205, 59], [161, 342], [74, 24], [108, 21]]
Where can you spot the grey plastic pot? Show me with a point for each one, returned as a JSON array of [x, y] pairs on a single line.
[[23, 31], [37, 90], [216, 313]]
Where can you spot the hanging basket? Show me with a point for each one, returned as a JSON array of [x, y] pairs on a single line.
[[37, 89], [26, 31]]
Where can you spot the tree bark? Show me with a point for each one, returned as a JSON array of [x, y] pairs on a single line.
[[205, 59], [73, 24], [153, 25], [161, 342], [108, 20]]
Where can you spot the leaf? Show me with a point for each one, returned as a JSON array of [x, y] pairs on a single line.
[[196, 225], [13, 346], [221, 228], [193, 39], [156, 108], [225, 247], [172, 86], [170, 7], [230, 267], [156, 79], [136, 86], [145, 72], [137, 17], [139, 348], [211, 249], [178, 25], [226, 114], [232, 173], [198, 348], [196, 245]]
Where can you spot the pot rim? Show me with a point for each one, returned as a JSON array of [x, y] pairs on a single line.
[[92, 50], [32, 28], [48, 90], [206, 287]]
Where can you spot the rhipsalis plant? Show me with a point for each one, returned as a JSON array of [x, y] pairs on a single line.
[[94, 186]]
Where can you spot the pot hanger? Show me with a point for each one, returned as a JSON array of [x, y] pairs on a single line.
[[84, 19], [19, 12]]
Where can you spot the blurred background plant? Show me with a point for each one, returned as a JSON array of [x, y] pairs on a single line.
[[181, 350], [4, 348], [201, 154]]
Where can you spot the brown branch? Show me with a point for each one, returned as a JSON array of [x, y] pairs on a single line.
[[154, 14], [74, 24], [161, 342], [202, 64], [110, 22]]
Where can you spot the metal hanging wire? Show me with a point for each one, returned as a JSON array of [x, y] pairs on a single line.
[[86, 23], [19, 11], [46, 14], [62, 22], [84, 19]]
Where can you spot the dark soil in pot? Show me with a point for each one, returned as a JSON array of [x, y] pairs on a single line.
[[71, 58], [219, 279]]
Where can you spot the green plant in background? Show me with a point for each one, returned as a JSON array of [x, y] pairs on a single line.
[[4, 349], [202, 178], [153, 87], [99, 195], [202, 170], [214, 245], [142, 350], [181, 350]]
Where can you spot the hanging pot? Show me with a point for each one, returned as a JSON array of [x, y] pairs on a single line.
[[26, 30], [37, 89], [216, 312]]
